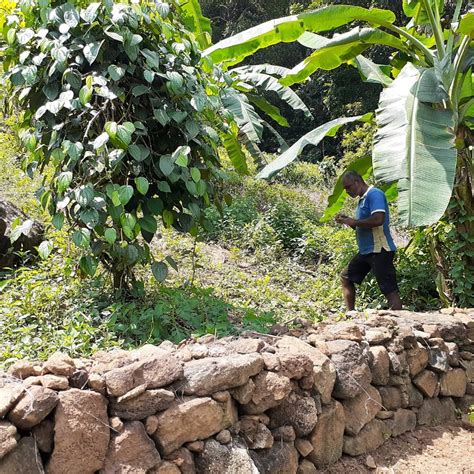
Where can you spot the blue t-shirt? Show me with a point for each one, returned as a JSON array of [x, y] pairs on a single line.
[[378, 238]]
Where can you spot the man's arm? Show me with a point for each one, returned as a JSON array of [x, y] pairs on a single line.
[[375, 220]]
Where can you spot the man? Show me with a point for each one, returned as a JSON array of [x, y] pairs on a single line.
[[376, 247]]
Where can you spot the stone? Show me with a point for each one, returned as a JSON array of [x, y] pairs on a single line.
[[324, 371], [165, 467], [297, 411], [284, 433], [33, 380], [10, 393], [184, 459], [79, 378], [453, 383], [438, 359], [417, 359], [391, 397], [360, 410], [22, 369], [24, 459], [372, 435], [464, 404], [8, 438], [33, 407], [131, 450], [327, 436], [55, 382], [105, 361], [151, 424], [222, 396], [270, 390], [384, 415], [243, 394], [255, 433], [435, 412], [427, 382], [306, 467], [206, 376], [81, 433], [303, 446], [219, 458], [59, 364], [116, 424], [402, 421], [195, 446], [379, 363], [97, 382], [44, 436], [135, 392], [194, 419], [353, 372], [376, 336], [281, 458], [247, 346], [370, 462], [345, 330], [271, 361], [469, 367], [470, 388], [146, 404], [155, 372], [398, 363], [294, 366], [224, 437]]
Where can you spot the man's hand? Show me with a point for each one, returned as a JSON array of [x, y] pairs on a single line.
[[343, 219]]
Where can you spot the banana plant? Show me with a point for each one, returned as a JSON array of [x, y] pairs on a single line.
[[426, 111]]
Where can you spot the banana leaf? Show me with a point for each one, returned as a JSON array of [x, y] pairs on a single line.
[[196, 22], [414, 145], [287, 29], [371, 72], [329, 129]]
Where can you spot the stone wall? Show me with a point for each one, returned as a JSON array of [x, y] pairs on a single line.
[[289, 403]]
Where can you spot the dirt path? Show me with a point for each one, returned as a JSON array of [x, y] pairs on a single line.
[[440, 450]]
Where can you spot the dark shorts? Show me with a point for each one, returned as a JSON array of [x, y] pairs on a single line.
[[381, 265]]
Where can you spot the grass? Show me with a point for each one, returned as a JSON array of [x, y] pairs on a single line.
[[268, 260]]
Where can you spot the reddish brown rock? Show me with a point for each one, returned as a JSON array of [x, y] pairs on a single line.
[[391, 397], [155, 372], [33, 407], [55, 382], [303, 446], [360, 410], [81, 433], [146, 404], [453, 383], [209, 375], [369, 438], [379, 364], [327, 437], [183, 459], [417, 359], [306, 467], [24, 459], [22, 369], [256, 434], [44, 436], [427, 382], [198, 418], [8, 438], [10, 393], [294, 366], [59, 364], [402, 421], [131, 451]]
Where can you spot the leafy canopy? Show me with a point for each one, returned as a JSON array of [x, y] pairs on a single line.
[[127, 118]]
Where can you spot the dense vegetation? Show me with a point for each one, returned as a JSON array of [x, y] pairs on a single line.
[[138, 170]]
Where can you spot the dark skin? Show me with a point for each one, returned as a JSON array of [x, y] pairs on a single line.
[[357, 188]]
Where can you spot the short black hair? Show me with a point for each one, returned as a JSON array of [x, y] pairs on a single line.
[[352, 176]]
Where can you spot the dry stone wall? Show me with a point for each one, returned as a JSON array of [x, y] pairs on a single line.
[[289, 403]]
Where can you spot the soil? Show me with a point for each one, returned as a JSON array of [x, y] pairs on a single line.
[[447, 449]]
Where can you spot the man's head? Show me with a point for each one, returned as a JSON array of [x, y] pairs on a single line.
[[354, 184]]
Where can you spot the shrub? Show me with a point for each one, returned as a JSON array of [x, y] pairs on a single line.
[[125, 116]]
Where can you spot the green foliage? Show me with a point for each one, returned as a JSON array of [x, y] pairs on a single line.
[[123, 112]]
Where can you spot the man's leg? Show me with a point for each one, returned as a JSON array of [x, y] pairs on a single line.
[[384, 270], [355, 272], [348, 292], [394, 301]]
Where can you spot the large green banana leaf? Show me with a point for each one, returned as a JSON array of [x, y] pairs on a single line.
[[270, 109], [466, 25], [329, 129], [414, 145], [196, 22], [270, 83], [416, 10], [331, 53], [371, 72], [287, 29], [248, 120]]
